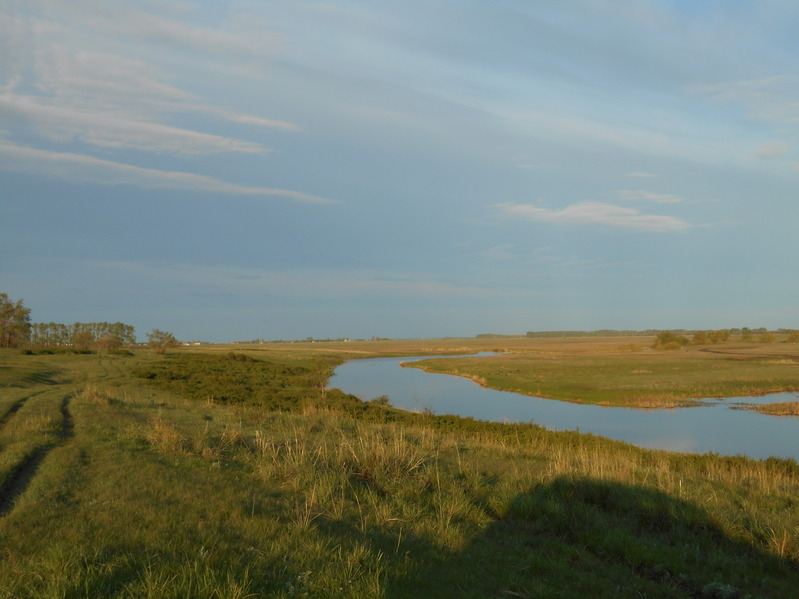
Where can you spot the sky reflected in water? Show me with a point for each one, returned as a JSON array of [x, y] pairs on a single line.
[[713, 427]]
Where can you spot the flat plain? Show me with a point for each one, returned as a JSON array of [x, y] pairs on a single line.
[[236, 472]]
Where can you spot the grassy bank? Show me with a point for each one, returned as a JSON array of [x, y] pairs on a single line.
[[790, 408], [630, 374], [151, 485]]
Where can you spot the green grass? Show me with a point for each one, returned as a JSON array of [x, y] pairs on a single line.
[[638, 379], [154, 493]]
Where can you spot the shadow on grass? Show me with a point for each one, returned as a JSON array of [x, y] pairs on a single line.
[[579, 537]]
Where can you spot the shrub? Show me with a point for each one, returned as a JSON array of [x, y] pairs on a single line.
[[668, 340]]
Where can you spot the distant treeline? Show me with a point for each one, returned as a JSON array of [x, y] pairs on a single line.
[[743, 331], [82, 335], [598, 333]]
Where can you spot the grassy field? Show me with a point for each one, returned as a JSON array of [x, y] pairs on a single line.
[[626, 372], [151, 476]]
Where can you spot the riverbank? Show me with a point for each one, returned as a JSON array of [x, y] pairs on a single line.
[[632, 376], [774, 409]]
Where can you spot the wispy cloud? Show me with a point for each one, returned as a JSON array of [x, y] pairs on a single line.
[[500, 252], [597, 213], [70, 74], [772, 149], [118, 129], [78, 167], [255, 282], [238, 38], [640, 174], [768, 98], [649, 196]]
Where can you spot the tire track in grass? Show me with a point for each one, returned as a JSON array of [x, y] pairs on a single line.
[[25, 471], [15, 407]]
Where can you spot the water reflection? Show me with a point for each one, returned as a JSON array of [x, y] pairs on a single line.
[[712, 427]]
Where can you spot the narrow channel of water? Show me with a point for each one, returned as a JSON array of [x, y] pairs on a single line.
[[713, 427]]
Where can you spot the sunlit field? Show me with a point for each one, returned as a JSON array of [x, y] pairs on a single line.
[[628, 372], [179, 476]]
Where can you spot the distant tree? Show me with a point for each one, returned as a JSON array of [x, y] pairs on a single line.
[[108, 342], [668, 340], [82, 336], [719, 336], [793, 337], [767, 338], [699, 338], [160, 341], [15, 322]]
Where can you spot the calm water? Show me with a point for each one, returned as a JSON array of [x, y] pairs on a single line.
[[713, 427]]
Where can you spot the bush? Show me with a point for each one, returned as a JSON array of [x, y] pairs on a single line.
[[668, 340], [120, 352]]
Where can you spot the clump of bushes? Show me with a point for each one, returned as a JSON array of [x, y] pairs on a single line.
[[668, 340], [705, 337], [238, 379], [49, 351], [124, 353]]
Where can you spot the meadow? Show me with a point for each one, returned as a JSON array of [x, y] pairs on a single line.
[[179, 476], [627, 372]]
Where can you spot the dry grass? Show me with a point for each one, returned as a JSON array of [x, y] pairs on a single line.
[[790, 408]]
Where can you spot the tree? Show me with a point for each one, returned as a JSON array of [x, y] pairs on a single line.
[[108, 342], [160, 341], [668, 340], [15, 322], [719, 336], [82, 336]]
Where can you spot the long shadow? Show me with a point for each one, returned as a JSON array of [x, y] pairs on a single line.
[[579, 537]]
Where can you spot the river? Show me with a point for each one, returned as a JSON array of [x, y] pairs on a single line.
[[711, 427]]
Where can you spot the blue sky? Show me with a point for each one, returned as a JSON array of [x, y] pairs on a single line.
[[243, 169]]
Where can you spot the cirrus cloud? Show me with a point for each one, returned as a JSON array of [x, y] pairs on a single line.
[[772, 149], [597, 213], [649, 196], [79, 167]]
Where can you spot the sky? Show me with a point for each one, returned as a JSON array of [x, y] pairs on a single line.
[[229, 170]]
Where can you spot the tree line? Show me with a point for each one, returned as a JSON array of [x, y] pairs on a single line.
[[17, 330], [82, 335]]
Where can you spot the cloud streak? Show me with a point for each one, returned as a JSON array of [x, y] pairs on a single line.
[[596, 213], [342, 284], [769, 98], [78, 167], [649, 196], [118, 130], [71, 76], [772, 149]]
